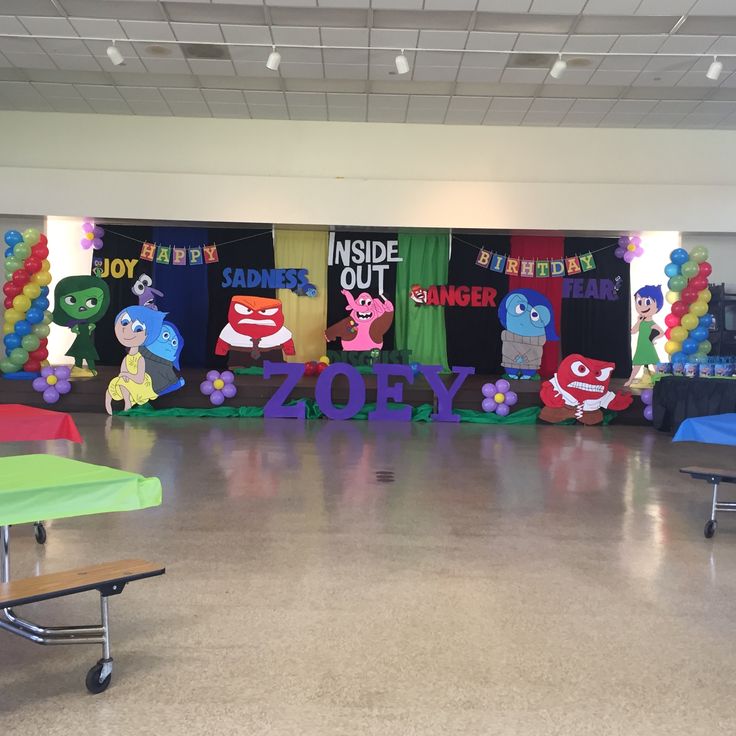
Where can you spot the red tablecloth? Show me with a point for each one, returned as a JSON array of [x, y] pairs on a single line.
[[20, 423]]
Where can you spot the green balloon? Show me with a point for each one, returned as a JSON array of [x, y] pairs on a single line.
[[7, 367], [30, 342], [688, 269], [699, 357], [22, 251], [677, 283], [699, 254], [47, 317], [31, 236], [41, 330], [18, 356], [13, 264], [705, 347]]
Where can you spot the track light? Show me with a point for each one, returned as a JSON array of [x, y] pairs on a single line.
[[558, 68], [274, 59], [715, 69], [402, 63], [113, 53]]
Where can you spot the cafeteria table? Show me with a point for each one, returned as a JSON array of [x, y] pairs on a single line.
[[50, 487]]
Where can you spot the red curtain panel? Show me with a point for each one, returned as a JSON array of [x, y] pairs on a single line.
[[542, 248]]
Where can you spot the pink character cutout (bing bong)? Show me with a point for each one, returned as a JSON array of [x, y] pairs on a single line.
[[370, 319]]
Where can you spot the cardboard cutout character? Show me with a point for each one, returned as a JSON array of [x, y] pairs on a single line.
[[527, 316], [647, 301], [143, 289], [79, 303], [162, 356], [579, 390], [255, 331], [369, 320]]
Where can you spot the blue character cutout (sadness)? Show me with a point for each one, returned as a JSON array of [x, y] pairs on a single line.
[[527, 316], [162, 356]]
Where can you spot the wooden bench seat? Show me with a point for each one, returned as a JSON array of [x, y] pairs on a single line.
[[109, 578], [720, 475]]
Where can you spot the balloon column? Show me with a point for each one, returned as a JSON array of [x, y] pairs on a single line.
[[26, 325], [689, 321]]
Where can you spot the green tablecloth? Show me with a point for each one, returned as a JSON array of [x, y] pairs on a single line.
[[34, 487]]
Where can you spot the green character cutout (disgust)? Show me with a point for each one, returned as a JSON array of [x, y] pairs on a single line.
[[79, 303]]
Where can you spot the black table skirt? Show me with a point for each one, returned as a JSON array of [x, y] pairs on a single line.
[[677, 398]]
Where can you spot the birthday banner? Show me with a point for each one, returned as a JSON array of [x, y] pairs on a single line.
[[532, 268], [171, 255]]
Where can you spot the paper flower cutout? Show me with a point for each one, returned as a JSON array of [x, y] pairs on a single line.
[[53, 383], [629, 247], [499, 397], [91, 235], [219, 386]]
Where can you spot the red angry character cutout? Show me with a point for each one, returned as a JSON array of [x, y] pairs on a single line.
[[579, 390]]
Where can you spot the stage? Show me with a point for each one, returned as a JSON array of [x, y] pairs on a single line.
[[88, 394]]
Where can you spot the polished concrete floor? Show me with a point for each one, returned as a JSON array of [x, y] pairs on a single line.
[[519, 580]]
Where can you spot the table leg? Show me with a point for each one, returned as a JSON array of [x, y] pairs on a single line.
[[4, 554]]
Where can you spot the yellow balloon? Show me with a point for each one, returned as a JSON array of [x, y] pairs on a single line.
[[699, 309], [689, 321], [42, 278], [12, 316], [679, 333], [32, 291], [672, 296], [45, 265], [324, 359], [45, 364], [8, 328], [672, 347], [22, 303], [705, 296]]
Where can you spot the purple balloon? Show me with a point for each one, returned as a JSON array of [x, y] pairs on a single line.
[[623, 241], [648, 413], [229, 390], [647, 395], [62, 372], [502, 385], [88, 227], [502, 410], [98, 232], [511, 398], [489, 405], [63, 387], [227, 376], [96, 243], [206, 387], [213, 375], [39, 384], [619, 252], [50, 395], [217, 398], [629, 256], [489, 389], [86, 244], [48, 371]]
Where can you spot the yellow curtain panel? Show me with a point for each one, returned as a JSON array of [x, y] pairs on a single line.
[[305, 316]]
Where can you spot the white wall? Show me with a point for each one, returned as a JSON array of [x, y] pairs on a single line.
[[315, 173], [721, 254]]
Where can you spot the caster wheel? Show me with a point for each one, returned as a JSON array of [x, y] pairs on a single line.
[[40, 532], [93, 682], [710, 528]]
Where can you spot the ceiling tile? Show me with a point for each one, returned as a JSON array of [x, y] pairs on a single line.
[[268, 112], [346, 71], [98, 92], [486, 61], [342, 3], [62, 46], [345, 36], [494, 117], [212, 66], [352, 101], [293, 3], [540, 42], [150, 108], [52, 90], [140, 94], [247, 34], [129, 9], [396, 4], [341, 56], [10, 24], [190, 109], [625, 63], [592, 106], [437, 58], [479, 74], [511, 104], [698, 79], [579, 44], [542, 119], [106, 28], [505, 6], [572, 76], [581, 120], [435, 73], [306, 56], [30, 61], [545, 105], [295, 35], [626, 25], [674, 107], [633, 107], [558, 6], [20, 46], [110, 107], [147, 30], [657, 79], [306, 99], [687, 44], [224, 96], [48, 26], [166, 66], [659, 121], [450, 4], [638, 44], [442, 39], [221, 110], [713, 7], [664, 7], [83, 63], [182, 94], [197, 32], [297, 70], [397, 39], [524, 76], [481, 40], [620, 120]]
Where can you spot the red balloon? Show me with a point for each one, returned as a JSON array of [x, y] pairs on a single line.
[[320, 367], [705, 269], [20, 277], [39, 354], [667, 334], [8, 302], [43, 240], [698, 283], [672, 320], [679, 308], [40, 251], [32, 265], [32, 366], [310, 368], [11, 289]]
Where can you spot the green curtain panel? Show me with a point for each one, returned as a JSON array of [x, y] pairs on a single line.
[[421, 329]]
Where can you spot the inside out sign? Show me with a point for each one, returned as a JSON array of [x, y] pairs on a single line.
[[390, 378]]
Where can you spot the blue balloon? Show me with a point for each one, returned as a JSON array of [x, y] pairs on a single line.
[[672, 269], [678, 357], [679, 256], [44, 291], [689, 345], [12, 341], [699, 333], [8, 252], [13, 237], [34, 316], [42, 303], [706, 321], [23, 327]]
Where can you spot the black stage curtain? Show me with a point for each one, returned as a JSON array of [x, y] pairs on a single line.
[[121, 266], [336, 301], [257, 253], [474, 333], [677, 398], [596, 306]]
